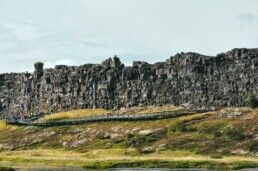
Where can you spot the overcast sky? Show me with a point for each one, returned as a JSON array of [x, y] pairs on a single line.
[[75, 32]]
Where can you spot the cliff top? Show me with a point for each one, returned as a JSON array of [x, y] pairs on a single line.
[[192, 57]]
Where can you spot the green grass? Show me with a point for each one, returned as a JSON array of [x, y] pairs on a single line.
[[117, 158], [169, 164]]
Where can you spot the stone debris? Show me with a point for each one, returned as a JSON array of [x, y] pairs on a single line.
[[232, 112], [239, 151], [147, 150]]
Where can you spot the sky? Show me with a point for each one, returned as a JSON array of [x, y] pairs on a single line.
[[76, 32]]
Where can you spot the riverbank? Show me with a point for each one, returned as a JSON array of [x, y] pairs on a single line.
[[227, 138], [119, 158]]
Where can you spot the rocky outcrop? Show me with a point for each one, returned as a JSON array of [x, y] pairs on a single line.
[[187, 79]]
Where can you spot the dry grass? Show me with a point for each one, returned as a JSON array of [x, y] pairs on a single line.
[[4, 126], [180, 146], [99, 154], [75, 114], [60, 158], [93, 112], [150, 109]]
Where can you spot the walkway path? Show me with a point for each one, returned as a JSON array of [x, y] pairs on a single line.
[[107, 117]]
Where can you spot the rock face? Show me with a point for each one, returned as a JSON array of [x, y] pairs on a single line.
[[186, 78]]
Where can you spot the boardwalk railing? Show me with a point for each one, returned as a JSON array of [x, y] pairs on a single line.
[[106, 117]]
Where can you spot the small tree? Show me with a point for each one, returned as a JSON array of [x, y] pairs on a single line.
[[251, 101]]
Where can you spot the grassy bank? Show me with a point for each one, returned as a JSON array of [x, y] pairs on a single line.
[[221, 139], [172, 164], [94, 112], [117, 158]]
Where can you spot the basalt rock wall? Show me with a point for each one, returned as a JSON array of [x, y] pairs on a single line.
[[184, 79]]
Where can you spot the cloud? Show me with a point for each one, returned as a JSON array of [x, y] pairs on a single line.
[[52, 64], [89, 31], [249, 18]]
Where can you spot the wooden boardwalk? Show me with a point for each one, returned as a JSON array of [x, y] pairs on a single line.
[[106, 117]]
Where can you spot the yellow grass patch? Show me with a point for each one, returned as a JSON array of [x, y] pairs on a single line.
[[61, 157], [4, 126], [93, 112], [75, 114], [150, 109]]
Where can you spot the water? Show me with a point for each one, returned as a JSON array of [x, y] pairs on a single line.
[[52, 169], [143, 169], [116, 169]]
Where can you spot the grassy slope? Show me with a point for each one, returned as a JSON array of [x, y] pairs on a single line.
[[92, 112], [74, 114], [201, 140]]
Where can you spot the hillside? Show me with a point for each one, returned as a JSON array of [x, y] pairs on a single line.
[[226, 138]]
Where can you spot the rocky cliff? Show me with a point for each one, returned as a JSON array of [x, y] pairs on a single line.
[[186, 78]]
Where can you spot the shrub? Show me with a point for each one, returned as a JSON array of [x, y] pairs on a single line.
[[217, 133], [178, 127], [253, 146], [235, 133], [214, 129], [251, 101], [256, 129]]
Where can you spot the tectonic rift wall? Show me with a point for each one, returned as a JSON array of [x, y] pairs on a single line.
[[186, 78]]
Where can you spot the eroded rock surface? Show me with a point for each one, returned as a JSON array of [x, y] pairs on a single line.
[[186, 78]]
